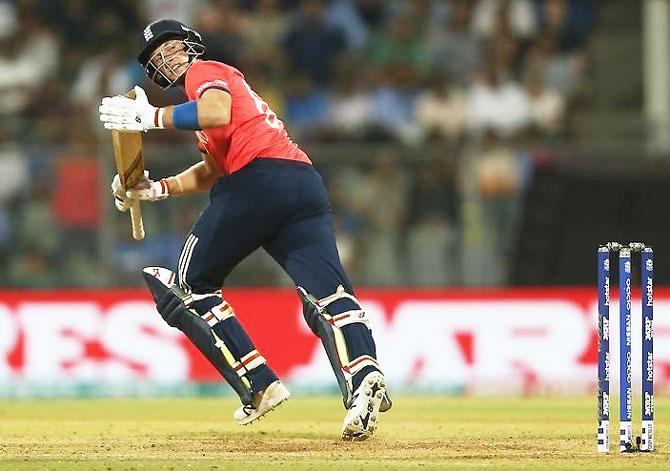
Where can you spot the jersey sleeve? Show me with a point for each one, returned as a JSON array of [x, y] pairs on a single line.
[[205, 75]]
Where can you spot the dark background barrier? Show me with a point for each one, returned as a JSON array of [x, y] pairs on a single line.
[[573, 205]]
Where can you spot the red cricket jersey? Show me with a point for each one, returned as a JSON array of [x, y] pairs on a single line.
[[254, 129]]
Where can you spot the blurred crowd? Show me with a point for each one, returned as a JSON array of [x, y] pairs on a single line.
[[395, 78]]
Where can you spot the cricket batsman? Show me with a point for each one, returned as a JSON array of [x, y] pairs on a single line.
[[264, 192]]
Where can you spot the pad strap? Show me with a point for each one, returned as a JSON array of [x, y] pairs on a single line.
[[338, 294], [199, 297], [357, 364], [218, 313], [251, 360], [349, 317], [345, 318]]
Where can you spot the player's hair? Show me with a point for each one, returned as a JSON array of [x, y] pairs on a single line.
[[159, 32]]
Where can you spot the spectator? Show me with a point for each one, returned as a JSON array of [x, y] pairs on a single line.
[[14, 171], [566, 28], [31, 268], [312, 46], [267, 78], [547, 107], [430, 254], [434, 193], [263, 62], [28, 58], [350, 102], [76, 174], [306, 106], [373, 12], [35, 225], [129, 256], [497, 102], [222, 25], [442, 110], [9, 22], [108, 73], [74, 19], [264, 31], [51, 116], [348, 224], [343, 15], [456, 51], [560, 52], [508, 53], [182, 10], [400, 45], [433, 225], [393, 105], [386, 212], [14, 179], [499, 174], [561, 72], [87, 28], [514, 16]]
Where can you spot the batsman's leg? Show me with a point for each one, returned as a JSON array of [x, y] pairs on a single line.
[[203, 266], [306, 249], [366, 397], [173, 305], [267, 391], [259, 389]]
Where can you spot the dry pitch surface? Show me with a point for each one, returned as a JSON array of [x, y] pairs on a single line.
[[430, 432]]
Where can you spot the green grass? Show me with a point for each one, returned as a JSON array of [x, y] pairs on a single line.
[[428, 432]]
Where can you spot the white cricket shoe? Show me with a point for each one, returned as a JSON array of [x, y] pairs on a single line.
[[263, 402], [363, 415]]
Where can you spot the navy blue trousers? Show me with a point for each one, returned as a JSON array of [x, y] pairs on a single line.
[[282, 206]]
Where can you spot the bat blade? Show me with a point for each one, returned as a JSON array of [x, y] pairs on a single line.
[[129, 158]]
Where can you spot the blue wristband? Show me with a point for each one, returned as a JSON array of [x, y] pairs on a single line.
[[185, 116]]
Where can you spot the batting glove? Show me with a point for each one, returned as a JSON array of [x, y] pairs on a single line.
[[146, 189], [121, 201], [149, 190], [126, 114]]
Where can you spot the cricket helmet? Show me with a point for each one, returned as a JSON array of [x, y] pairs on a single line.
[[157, 33]]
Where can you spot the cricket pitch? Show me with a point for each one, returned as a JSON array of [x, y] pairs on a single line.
[[420, 432]]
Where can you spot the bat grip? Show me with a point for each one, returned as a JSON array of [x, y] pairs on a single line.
[[136, 220]]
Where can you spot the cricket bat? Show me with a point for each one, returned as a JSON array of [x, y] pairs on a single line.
[[130, 166]]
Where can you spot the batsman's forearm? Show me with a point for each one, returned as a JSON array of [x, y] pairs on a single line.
[[197, 178]]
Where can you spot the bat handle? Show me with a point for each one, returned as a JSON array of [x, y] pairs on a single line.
[[136, 220]]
